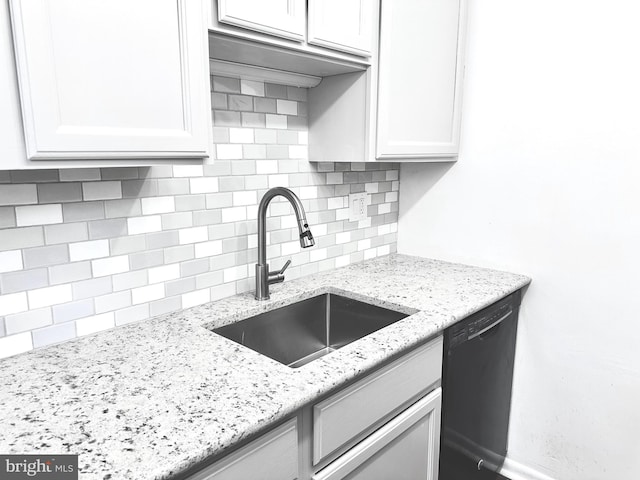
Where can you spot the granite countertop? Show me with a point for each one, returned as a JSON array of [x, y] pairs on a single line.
[[147, 400]]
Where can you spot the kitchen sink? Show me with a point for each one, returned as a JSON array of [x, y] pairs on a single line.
[[301, 332]]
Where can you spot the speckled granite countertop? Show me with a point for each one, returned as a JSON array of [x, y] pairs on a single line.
[[147, 400]]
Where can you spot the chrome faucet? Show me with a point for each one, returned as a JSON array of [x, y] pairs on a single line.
[[264, 277]]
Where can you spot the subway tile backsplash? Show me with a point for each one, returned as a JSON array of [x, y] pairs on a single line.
[[85, 250]]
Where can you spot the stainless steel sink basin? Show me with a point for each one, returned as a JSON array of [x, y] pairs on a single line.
[[301, 332]]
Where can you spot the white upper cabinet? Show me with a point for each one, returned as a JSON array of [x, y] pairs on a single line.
[[344, 25], [112, 79], [283, 18], [420, 78]]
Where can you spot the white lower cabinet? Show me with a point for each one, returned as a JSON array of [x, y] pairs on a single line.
[[273, 456], [385, 425], [406, 448]]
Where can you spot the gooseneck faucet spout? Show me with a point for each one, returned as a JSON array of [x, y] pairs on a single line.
[[264, 277]]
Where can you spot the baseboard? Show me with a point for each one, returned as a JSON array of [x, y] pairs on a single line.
[[517, 471]]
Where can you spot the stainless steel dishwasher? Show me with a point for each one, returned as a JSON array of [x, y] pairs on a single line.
[[476, 384]]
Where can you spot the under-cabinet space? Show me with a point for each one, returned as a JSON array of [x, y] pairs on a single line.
[[330, 38]]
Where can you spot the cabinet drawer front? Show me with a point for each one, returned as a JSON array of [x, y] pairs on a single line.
[[405, 448], [274, 456], [362, 406]]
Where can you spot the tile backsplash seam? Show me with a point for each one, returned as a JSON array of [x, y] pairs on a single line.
[[88, 249]]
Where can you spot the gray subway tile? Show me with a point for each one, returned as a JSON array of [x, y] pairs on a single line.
[[26, 194], [379, 176], [73, 310], [231, 184], [37, 176], [247, 227], [265, 135], [207, 217], [252, 152], [219, 200], [299, 123], [45, 256], [146, 259], [180, 286], [129, 244], [219, 168], [165, 305], [179, 253], [264, 105], [157, 171], [3, 331], [223, 118], [297, 93], [244, 167], [112, 301], [194, 267], [53, 334], [277, 152], [140, 188], [234, 244], [209, 279], [224, 230], [66, 233], [173, 186], [59, 192], [126, 207], [115, 227], [162, 239], [80, 174], [256, 182], [69, 272], [172, 221], [101, 190], [78, 212], [226, 84], [132, 314], [357, 188], [275, 90], [218, 100], [220, 135], [253, 120], [240, 102], [23, 280], [186, 203], [129, 280], [7, 217], [23, 322], [91, 288], [119, 173], [287, 137]]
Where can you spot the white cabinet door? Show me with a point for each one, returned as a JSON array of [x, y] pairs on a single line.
[[273, 456], [420, 78], [406, 448], [345, 25], [111, 79], [283, 18]]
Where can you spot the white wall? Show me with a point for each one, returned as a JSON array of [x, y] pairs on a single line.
[[548, 184]]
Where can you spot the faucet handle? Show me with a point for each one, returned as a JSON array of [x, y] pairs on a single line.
[[285, 266]]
